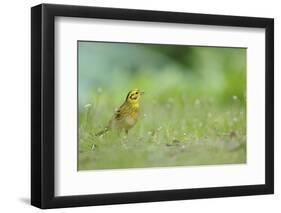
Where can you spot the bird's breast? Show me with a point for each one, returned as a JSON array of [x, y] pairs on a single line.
[[130, 121]]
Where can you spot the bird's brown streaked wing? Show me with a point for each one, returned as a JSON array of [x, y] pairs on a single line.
[[117, 115], [122, 110]]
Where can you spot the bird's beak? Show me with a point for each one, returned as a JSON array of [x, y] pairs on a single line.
[[141, 93]]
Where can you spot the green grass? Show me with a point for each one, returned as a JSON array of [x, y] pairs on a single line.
[[174, 129]]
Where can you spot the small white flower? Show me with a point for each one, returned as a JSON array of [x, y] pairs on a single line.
[[87, 106], [197, 102], [159, 128], [93, 147]]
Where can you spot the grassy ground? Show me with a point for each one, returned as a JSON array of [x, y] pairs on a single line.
[[178, 126]]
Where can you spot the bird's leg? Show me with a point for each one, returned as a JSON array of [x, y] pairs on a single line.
[[124, 137]]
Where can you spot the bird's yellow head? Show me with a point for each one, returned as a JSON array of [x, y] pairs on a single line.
[[134, 96]]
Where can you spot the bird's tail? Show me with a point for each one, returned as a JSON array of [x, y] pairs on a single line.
[[102, 132]]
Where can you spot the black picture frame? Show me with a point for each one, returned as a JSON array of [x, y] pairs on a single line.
[[43, 105]]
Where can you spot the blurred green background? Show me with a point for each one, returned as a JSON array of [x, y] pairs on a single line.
[[193, 111]]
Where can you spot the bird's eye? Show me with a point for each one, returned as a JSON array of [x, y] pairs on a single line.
[[137, 92]]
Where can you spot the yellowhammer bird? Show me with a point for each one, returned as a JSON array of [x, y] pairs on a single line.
[[127, 114]]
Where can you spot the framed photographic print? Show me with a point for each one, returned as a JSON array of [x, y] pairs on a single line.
[[139, 106]]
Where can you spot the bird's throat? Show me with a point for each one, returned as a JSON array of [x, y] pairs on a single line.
[[135, 105]]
